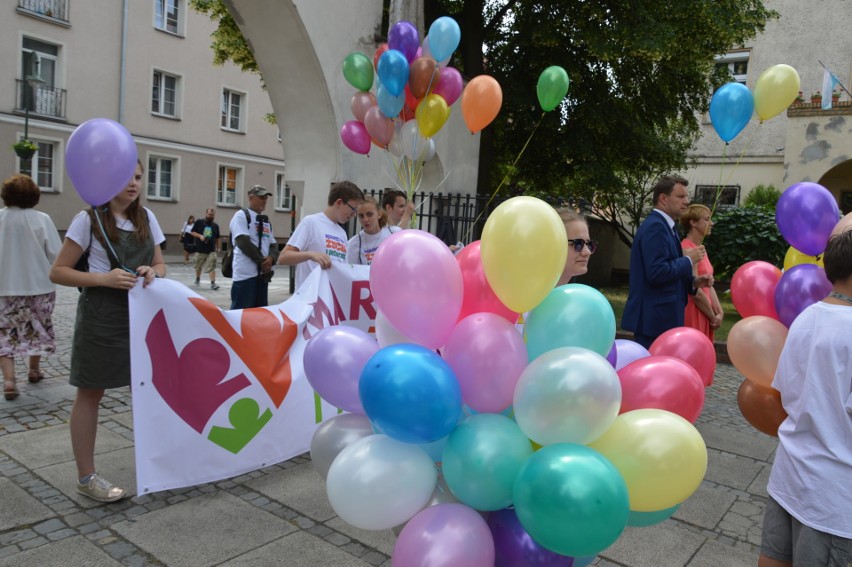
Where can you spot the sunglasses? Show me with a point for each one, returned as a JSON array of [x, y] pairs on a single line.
[[578, 244]]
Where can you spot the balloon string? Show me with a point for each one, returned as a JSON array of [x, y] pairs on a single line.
[[746, 147], [505, 178]]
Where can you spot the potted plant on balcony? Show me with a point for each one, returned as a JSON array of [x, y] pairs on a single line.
[[25, 149], [800, 98], [835, 96], [816, 97]]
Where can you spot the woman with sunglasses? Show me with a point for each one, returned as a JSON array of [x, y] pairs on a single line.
[[122, 239], [580, 246]]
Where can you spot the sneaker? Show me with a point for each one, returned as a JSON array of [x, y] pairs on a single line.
[[197, 281], [213, 286], [100, 489]]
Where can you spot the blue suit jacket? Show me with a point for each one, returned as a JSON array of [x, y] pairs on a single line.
[[660, 279]]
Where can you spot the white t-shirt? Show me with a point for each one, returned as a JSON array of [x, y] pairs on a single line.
[[80, 232], [318, 233], [812, 474], [363, 246], [244, 267], [30, 243], [187, 228]]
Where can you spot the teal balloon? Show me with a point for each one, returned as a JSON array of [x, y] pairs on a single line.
[[571, 500], [571, 315], [730, 110], [444, 36], [552, 87], [358, 71], [393, 71], [390, 105], [644, 519], [481, 459]]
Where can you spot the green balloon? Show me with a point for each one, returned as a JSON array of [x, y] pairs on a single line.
[[358, 71], [552, 87], [571, 499], [642, 519]]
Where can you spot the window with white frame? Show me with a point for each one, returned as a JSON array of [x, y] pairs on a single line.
[[43, 166], [168, 15], [39, 58], [717, 197], [232, 110], [736, 63], [162, 174], [230, 178], [283, 194], [164, 94]]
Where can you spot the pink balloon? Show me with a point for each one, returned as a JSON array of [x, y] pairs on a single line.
[[417, 284], [753, 289], [691, 346], [445, 535], [361, 102], [378, 126], [662, 382], [628, 351], [449, 85], [478, 295], [487, 354], [355, 137]]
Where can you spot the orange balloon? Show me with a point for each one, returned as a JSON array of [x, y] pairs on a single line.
[[754, 346], [761, 407], [480, 102], [423, 75]]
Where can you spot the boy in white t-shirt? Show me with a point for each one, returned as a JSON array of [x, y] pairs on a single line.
[[319, 239]]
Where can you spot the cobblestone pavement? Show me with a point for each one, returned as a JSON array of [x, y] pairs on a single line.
[[41, 523]]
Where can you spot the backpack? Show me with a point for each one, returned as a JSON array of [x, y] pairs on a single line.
[[228, 260]]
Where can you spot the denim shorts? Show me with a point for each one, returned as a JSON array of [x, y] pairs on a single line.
[[787, 539]]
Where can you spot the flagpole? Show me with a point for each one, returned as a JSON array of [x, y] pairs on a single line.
[[835, 78]]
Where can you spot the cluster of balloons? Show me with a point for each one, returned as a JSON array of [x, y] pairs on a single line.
[[564, 436], [414, 93], [769, 300], [100, 159], [733, 104]]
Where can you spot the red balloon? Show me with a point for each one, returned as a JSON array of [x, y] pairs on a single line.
[[379, 50], [662, 382], [691, 346], [753, 289], [478, 295]]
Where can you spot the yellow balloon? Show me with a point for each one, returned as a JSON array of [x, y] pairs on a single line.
[[793, 258], [431, 114], [661, 456], [775, 90], [523, 249]]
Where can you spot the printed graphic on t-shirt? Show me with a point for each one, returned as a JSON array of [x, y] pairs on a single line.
[[335, 247], [208, 232], [368, 253]]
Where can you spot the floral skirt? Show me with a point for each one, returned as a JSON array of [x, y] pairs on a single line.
[[26, 326]]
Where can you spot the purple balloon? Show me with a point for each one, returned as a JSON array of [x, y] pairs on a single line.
[[514, 547], [354, 136], [403, 37], [100, 159], [612, 356], [806, 214], [799, 287], [628, 351], [445, 535], [333, 361]]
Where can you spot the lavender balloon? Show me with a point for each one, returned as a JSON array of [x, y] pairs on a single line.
[[514, 547], [627, 352], [612, 356], [403, 37], [806, 214], [443, 536], [333, 360], [799, 287], [100, 159]]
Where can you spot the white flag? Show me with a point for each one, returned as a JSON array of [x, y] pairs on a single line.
[[829, 81]]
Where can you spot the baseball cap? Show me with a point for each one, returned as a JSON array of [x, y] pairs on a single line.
[[259, 190]]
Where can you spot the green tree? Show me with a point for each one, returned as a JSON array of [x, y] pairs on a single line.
[[763, 196], [742, 235]]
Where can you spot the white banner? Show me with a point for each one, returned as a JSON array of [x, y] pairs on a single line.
[[220, 393]]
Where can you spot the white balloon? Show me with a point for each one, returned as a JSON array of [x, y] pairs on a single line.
[[334, 435], [386, 335], [412, 142], [427, 151], [377, 482], [395, 145]]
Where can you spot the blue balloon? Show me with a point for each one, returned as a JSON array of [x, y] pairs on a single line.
[[410, 393], [444, 35], [730, 110], [389, 104], [393, 71]]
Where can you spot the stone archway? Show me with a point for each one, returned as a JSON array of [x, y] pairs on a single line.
[[838, 180]]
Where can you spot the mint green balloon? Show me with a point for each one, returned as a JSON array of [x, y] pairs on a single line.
[[571, 499], [552, 87], [481, 459], [358, 71], [571, 315]]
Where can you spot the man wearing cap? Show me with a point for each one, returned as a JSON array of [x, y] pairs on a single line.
[[255, 251]]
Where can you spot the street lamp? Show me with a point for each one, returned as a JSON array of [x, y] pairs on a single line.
[[33, 80]]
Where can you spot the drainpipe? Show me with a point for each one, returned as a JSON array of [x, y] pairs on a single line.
[[123, 62]]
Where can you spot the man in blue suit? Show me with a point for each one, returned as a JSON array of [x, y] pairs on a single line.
[[661, 273]]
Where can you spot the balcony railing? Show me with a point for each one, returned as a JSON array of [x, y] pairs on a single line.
[[42, 100], [56, 9]]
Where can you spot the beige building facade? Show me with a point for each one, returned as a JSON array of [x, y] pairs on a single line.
[[199, 128]]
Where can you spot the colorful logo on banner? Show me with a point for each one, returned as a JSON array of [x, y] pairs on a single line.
[[194, 382]]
